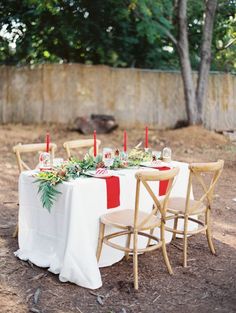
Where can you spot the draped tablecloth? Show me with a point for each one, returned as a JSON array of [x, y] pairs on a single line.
[[65, 240]]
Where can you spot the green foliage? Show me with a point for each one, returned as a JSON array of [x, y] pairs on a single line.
[[48, 193], [224, 40], [114, 32], [74, 168], [47, 189], [48, 181]]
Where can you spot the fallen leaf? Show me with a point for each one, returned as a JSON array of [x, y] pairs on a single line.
[[39, 276], [35, 310], [99, 300], [29, 296], [36, 295]]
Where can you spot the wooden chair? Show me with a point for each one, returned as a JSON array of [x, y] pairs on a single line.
[[28, 148], [135, 222], [185, 208], [82, 143]]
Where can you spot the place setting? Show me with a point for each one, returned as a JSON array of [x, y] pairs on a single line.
[[108, 165]]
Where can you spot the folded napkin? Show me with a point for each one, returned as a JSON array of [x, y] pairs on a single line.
[[113, 191], [164, 183]]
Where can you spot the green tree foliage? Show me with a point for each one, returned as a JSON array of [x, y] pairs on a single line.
[[119, 33]]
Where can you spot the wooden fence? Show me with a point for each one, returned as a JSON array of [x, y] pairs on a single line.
[[60, 92]]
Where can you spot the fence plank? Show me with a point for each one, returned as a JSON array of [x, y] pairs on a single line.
[[60, 92]]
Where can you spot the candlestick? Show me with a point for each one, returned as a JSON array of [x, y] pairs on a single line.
[[146, 137], [47, 142], [94, 143], [125, 141]]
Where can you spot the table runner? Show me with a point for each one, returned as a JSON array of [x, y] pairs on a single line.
[[164, 183], [113, 192]]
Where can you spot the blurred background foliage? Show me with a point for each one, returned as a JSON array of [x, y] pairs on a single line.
[[119, 33]]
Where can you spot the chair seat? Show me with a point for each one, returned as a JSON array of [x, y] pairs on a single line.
[[125, 218], [177, 205]]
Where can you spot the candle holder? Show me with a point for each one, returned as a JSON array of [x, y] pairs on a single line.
[[156, 155], [107, 157], [45, 161], [166, 154], [148, 154]]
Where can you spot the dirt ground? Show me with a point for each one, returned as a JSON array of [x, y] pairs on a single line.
[[206, 285]]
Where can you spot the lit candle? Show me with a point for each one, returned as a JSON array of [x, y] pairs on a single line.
[[47, 142], [125, 141], [146, 137], [94, 143]]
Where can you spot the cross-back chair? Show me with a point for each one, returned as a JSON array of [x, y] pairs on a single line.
[[136, 222], [82, 143], [29, 148], [187, 209]]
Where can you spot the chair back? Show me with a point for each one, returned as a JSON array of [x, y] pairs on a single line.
[[144, 178], [82, 143], [206, 175], [28, 148]]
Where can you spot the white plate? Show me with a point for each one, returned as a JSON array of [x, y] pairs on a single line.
[[154, 164], [93, 174]]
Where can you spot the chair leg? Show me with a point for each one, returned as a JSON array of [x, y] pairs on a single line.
[[185, 241], [135, 260], [208, 232], [175, 227], [127, 246], [149, 239], [164, 252], [15, 234], [100, 240]]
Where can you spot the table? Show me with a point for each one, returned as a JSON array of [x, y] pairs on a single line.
[[65, 240]]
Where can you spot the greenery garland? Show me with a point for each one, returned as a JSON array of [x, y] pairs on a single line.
[[72, 169]]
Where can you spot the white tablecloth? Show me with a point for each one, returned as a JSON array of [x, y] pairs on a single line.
[[65, 240]]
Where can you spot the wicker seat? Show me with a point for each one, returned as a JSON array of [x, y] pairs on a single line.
[[125, 218], [195, 207]]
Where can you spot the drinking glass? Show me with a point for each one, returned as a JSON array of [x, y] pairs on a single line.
[[107, 157], [156, 154], [44, 161], [166, 154]]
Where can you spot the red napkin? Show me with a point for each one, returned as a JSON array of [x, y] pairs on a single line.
[[113, 191], [164, 183]]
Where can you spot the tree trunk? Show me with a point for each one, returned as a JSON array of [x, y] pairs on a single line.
[[186, 70], [205, 54]]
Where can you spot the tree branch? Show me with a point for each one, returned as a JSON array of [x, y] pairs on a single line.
[[168, 34], [229, 44]]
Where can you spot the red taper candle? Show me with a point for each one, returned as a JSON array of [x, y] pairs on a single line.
[[94, 143], [125, 141], [146, 137], [47, 142]]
